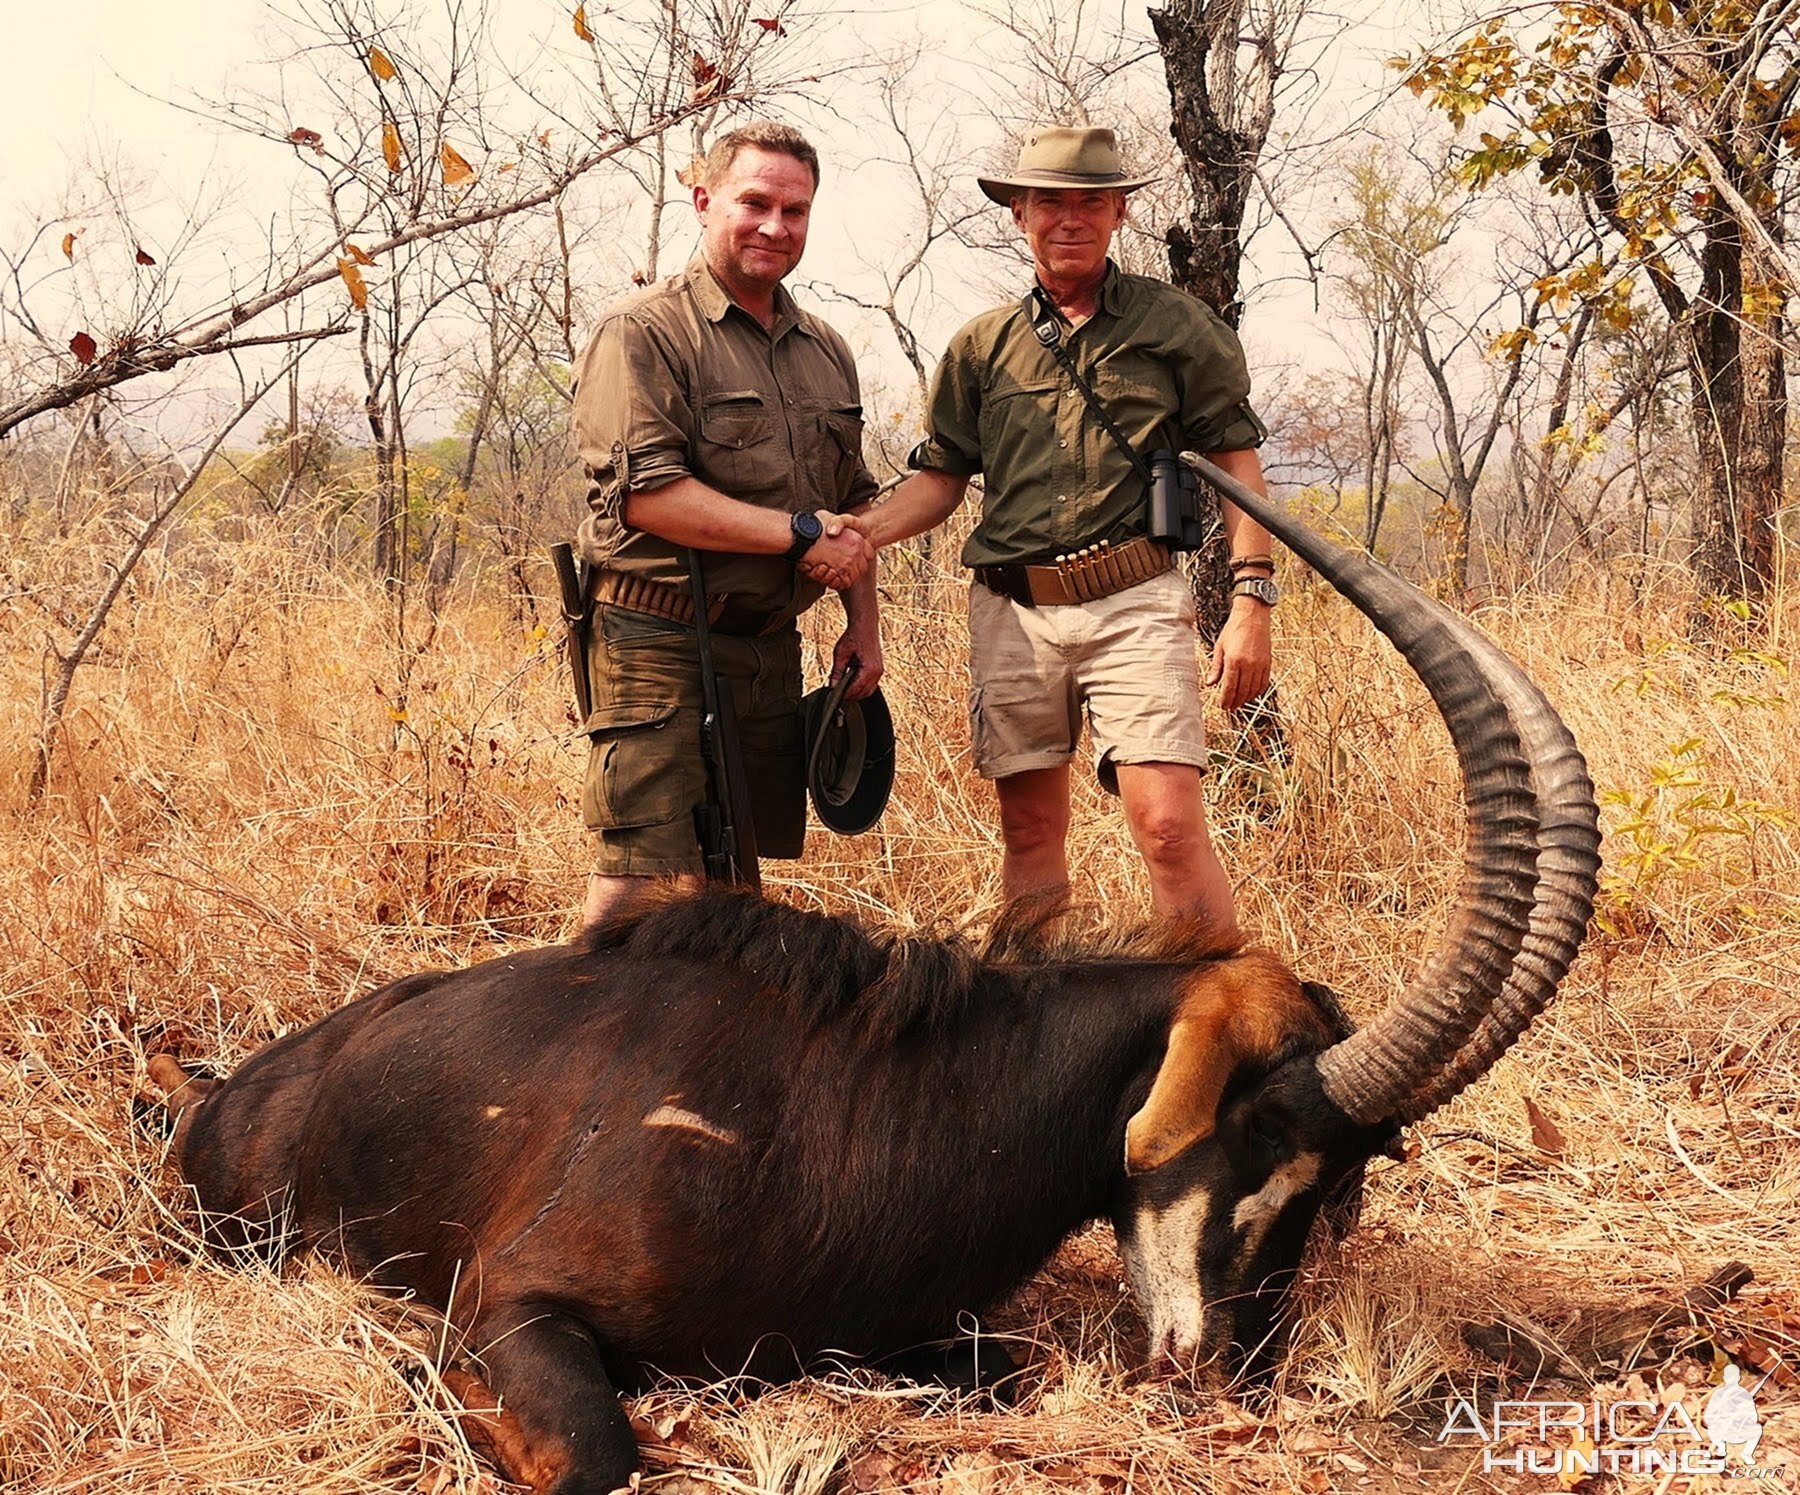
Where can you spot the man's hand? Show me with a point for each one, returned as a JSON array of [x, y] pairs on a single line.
[[841, 555], [1240, 659], [861, 641]]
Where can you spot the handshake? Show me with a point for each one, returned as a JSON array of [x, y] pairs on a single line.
[[841, 555]]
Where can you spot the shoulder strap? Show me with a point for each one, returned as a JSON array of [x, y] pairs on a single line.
[[1048, 328]]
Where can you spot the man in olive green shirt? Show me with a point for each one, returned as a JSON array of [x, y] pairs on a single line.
[[712, 413], [1110, 637]]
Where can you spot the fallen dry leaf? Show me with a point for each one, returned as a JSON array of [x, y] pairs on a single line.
[[973, 1474], [1572, 1476], [1545, 1135], [872, 1471]]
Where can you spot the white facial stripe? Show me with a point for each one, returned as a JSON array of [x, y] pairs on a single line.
[[689, 1121], [1163, 1265], [1256, 1212]]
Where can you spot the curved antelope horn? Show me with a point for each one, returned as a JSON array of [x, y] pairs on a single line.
[[1530, 867]]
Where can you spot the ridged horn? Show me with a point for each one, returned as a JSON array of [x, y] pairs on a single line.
[[1568, 869], [1529, 868]]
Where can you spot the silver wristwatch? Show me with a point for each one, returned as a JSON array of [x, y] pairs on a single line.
[[1261, 588]]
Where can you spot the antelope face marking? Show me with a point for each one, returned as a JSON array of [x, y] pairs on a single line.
[[1212, 1239]]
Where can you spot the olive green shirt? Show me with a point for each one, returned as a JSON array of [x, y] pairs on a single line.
[[679, 381], [1168, 371]]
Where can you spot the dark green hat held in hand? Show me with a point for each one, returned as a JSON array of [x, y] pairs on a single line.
[[849, 756]]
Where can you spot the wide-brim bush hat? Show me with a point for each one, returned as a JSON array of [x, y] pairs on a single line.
[[849, 756], [1057, 157]]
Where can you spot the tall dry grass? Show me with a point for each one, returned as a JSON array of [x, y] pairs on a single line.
[[269, 797]]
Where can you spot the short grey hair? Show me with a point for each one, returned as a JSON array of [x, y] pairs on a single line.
[[763, 135]]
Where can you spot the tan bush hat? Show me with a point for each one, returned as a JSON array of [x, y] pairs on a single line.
[[1054, 157]]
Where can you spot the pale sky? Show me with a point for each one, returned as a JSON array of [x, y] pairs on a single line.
[[101, 79]]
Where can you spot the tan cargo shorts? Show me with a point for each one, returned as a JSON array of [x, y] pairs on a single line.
[[1130, 662], [645, 774]]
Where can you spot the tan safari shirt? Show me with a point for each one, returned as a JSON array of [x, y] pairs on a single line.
[[1169, 372], [679, 381]]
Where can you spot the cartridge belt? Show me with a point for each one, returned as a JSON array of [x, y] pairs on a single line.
[[641, 594], [1086, 576]]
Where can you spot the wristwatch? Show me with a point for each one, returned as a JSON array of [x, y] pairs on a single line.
[[807, 532], [1260, 587]]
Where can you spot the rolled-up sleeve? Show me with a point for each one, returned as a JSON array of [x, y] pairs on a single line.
[[1216, 415], [952, 441], [633, 418]]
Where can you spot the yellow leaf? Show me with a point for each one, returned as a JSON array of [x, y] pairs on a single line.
[[361, 256], [1579, 1464], [390, 145], [69, 247], [581, 25], [381, 66], [353, 281], [396, 713], [455, 168]]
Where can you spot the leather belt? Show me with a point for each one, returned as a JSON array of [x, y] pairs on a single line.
[[1099, 571], [641, 594]]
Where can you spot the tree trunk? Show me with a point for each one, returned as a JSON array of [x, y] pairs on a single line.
[[1738, 378], [1220, 121], [1220, 117]]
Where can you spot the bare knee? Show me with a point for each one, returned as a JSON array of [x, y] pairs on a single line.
[[1170, 838]]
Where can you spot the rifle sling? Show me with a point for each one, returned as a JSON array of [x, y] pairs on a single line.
[[1047, 325]]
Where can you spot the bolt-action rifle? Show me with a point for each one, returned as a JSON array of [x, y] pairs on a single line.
[[724, 825]]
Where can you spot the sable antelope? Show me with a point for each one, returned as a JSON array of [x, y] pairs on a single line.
[[724, 1135]]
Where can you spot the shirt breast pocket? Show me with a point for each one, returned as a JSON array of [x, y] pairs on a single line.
[[738, 453], [1018, 430], [841, 451], [1140, 396]]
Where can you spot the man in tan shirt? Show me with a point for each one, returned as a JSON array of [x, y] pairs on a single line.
[[711, 412], [1110, 636]]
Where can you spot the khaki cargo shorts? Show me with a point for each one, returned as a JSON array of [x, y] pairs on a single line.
[[1130, 662], [645, 774]]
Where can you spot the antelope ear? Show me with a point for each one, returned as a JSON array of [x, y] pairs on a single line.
[[179, 1088], [1184, 1100], [1240, 1010]]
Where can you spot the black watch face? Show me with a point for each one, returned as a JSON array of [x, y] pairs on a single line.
[[807, 527]]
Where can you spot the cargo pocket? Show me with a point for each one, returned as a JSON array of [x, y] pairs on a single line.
[[635, 768]]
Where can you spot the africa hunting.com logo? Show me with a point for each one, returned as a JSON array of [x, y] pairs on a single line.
[[1638, 1437]]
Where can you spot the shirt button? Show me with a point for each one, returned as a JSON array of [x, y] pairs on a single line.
[[1062, 498], [1061, 441]]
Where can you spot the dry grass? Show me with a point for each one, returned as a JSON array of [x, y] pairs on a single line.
[[266, 802]]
